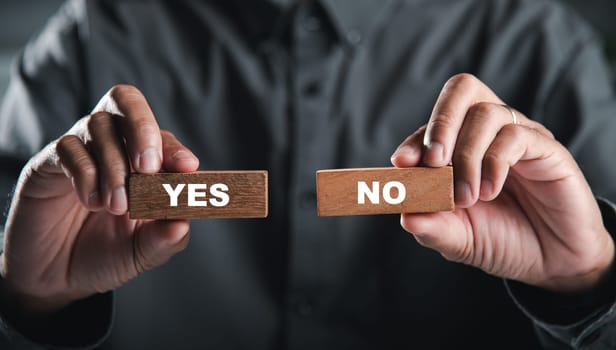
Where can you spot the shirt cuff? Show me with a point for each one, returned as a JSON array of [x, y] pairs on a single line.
[[577, 320], [84, 324]]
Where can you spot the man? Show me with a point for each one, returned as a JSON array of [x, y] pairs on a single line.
[[293, 88]]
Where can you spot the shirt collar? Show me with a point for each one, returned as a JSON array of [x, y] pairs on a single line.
[[353, 20]]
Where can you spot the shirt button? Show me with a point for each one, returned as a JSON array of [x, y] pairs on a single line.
[[304, 307], [312, 88], [354, 36], [311, 24], [308, 200]]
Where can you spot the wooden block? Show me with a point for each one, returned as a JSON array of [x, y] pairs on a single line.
[[384, 191], [201, 194]]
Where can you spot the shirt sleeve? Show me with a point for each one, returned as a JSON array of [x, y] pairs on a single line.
[[580, 109], [46, 95], [46, 92], [583, 321], [84, 324]]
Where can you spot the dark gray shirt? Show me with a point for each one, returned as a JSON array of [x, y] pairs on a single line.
[[293, 89]]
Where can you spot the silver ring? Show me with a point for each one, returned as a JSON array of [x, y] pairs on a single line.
[[513, 115]]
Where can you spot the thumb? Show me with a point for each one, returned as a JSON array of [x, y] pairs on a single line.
[[176, 156], [444, 232], [409, 152], [157, 241]]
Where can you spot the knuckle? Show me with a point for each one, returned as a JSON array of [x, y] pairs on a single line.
[[492, 158], [482, 111], [545, 131], [464, 158], [98, 120], [115, 169], [117, 179], [548, 134], [514, 132], [443, 122], [542, 130], [118, 167], [145, 127], [84, 164], [86, 169], [66, 143], [536, 132], [493, 165]]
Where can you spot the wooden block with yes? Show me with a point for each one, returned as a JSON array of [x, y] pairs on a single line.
[[201, 194], [384, 191]]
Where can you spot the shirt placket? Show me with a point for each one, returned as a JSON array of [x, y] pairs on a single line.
[[316, 62]]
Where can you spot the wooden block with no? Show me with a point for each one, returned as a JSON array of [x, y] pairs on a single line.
[[201, 194], [384, 191]]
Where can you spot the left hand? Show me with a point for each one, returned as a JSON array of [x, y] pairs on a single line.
[[524, 210]]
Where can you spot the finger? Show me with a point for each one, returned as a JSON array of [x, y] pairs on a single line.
[[157, 241], [176, 156], [112, 163], [80, 167], [523, 120], [516, 146], [538, 127], [408, 154], [441, 231], [458, 95], [139, 127], [482, 123]]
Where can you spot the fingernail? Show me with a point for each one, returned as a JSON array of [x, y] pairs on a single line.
[[149, 160], [118, 200], [93, 199], [486, 188], [182, 155], [463, 192], [435, 152], [405, 151]]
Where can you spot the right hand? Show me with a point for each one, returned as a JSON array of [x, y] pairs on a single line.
[[68, 234]]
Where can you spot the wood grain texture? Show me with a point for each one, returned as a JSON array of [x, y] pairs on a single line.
[[427, 190], [247, 194]]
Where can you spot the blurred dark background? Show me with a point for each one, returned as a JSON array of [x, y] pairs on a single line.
[[20, 19]]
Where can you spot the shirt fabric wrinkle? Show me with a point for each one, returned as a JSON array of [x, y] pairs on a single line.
[[294, 87]]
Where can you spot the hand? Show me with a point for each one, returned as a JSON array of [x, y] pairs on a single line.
[[524, 210], [68, 234]]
